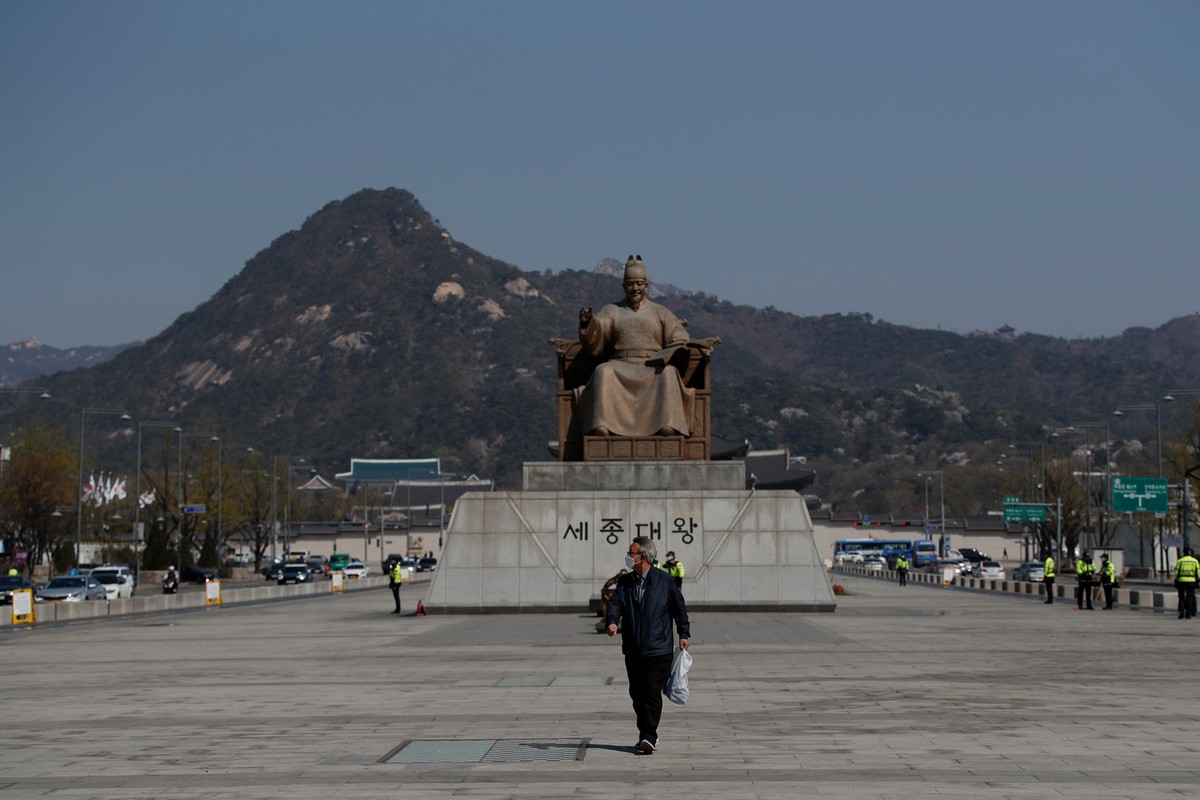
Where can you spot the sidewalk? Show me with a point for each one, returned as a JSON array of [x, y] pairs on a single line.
[[902, 693]]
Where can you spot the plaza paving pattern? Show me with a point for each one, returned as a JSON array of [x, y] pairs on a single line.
[[901, 693]]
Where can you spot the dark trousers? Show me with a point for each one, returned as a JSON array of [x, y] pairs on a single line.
[[646, 679], [1109, 591], [903, 576], [1187, 599], [1049, 588], [1083, 594], [395, 587]]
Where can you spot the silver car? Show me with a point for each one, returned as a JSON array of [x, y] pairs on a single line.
[[72, 589], [1030, 571]]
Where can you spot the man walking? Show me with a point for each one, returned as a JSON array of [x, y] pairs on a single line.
[[1108, 580], [1084, 570], [1048, 579], [902, 569], [395, 578], [1187, 571], [643, 604]]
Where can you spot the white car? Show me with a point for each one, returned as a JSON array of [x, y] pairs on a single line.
[[116, 586], [120, 588], [992, 570], [355, 569]]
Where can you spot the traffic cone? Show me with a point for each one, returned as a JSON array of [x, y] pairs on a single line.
[[420, 609]]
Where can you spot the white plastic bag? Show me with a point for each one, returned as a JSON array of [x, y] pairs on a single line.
[[676, 688]]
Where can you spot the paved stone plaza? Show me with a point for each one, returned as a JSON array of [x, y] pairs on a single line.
[[902, 693]]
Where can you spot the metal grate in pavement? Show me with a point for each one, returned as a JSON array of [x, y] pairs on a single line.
[[485, 751]]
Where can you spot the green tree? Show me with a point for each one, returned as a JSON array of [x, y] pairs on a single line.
[[39, 479]]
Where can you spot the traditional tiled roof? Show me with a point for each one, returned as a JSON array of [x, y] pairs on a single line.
[[390, 470]]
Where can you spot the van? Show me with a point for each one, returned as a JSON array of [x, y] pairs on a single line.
[[338, 561], [297, 555]]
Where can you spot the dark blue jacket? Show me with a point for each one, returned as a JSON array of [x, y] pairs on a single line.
[[646, 626]]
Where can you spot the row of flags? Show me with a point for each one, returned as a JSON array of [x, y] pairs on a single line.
[[104, 491]]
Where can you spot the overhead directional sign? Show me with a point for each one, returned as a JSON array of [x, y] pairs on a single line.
[[1009, 499], [1024, 513], [1140, 494]]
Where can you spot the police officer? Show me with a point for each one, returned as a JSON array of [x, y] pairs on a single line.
[[902, 569], [1084, 570], [1048, 579], [1108, 580], [674, 569], [395, 578], [1187, 571]]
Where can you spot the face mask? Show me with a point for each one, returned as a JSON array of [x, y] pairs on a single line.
[[629, 561]]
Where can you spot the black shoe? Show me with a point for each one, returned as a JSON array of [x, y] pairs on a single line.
[[397, 611], [646, 746]]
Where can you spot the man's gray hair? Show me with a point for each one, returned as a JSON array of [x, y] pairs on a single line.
[[646, 548]]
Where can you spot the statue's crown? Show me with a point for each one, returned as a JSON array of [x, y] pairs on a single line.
[[634, 265]]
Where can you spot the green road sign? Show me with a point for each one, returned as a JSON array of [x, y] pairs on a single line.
[[1140, 494], [1024, 513], [1011, 499]]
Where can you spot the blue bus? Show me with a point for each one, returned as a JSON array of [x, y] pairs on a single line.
[[918, 552]]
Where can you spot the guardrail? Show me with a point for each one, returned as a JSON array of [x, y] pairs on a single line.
[[155, 601], [1147, 599]]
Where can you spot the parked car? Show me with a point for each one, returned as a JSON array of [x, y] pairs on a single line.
[[355, 569], [427, 564], [991, 569], [392, 560], [72, 589], [295, 573], [1030, 571], [194, 573], [10, 584], [116, 586], [272, 571]]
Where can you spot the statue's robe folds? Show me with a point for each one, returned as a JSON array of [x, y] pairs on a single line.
[[625, 394]]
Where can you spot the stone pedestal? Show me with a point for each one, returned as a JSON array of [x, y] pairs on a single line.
[[552, 546]]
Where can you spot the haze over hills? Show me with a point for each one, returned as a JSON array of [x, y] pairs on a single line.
[[371, 332], [25, 361]]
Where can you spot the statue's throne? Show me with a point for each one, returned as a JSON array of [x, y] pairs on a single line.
[[575, 368]]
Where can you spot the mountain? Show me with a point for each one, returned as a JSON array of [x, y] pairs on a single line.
[[372, 332], [25, 361]]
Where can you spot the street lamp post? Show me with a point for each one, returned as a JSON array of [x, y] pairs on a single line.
[[79, 486], [1087, 428], [1157, 409], [927, 474], [137, 496], [40, 391], [1185, 502]]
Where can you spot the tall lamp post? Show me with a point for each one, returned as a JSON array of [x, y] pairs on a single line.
[[117, 412], [40, 391], [1157, 409], [182, 435], [927, 474], [1185, 503], [137, 496], [1087, 428]]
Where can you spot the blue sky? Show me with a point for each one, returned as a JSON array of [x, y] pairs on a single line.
[[956, 165]]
